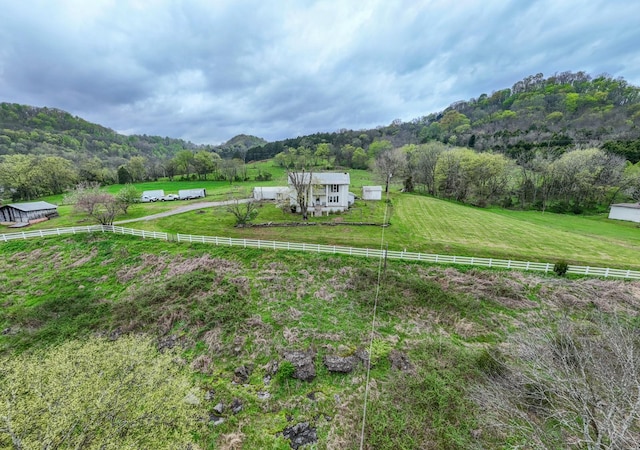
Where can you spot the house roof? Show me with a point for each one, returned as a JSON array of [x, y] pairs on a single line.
[[272, 188], [329, 177], [33, 206], [627, 205]]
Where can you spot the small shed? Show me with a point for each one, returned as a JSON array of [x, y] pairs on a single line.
[[270, 193], [24, 212], [625, 211], [371, 192]]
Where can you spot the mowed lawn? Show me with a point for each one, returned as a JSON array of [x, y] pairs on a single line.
[[428, 223]]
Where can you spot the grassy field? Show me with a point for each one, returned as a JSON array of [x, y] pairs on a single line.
[[418, 223], [228, 308], [430, 225]]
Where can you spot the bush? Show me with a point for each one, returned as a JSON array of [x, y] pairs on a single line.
[[560, 268], [285, 371], [96, 394]]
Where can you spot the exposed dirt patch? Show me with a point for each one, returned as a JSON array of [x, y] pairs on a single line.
[[85, 259]]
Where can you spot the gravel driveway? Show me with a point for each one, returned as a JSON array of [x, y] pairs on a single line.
[[183, 209]]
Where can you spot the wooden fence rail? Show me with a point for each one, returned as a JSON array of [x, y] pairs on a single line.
[[332, 249]]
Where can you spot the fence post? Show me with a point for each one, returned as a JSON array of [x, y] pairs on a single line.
[[546, 269], [454, 259], [436, 257], [606, 273], [586, 271], [490, 261]]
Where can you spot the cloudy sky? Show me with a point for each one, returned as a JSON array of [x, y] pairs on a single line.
[[206, 70]]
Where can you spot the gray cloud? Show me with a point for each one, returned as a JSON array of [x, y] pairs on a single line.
[[205, 71]]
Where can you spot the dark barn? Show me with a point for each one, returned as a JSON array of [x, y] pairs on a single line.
[[24, 212]]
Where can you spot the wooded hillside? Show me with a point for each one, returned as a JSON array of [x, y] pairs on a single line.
[[554, 113]]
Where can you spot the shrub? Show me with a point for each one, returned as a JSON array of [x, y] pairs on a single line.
[[96, 394], [285, 371], [560, 268]]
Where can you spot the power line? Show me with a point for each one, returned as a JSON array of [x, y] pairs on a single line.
[[383, 259]]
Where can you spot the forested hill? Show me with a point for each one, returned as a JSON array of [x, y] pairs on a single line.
[[30, 130], [554, 113]]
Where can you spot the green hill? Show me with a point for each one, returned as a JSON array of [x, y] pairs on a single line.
[[552, 113], [29, 130]]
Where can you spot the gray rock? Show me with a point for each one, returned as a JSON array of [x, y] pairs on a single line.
[[215, 419], [342, 364], [243, 373], [263, 395], [363, 356], [236, 405], [300, 434], [208, 396], [219, 408], [303, 363], [271, 368]]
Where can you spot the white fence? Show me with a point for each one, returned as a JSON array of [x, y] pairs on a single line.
[[88, 229], [333, 249], [408, 256]]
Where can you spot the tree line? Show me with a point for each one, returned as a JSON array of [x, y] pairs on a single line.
[[575, 181]]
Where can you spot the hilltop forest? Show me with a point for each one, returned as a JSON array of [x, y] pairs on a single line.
[[569, 142]]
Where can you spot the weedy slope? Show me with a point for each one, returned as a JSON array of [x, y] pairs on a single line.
[[238, 315]]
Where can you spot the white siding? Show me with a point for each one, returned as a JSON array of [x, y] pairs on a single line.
[[628, 212]]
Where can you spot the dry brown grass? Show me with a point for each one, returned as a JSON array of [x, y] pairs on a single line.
[[231, 441]]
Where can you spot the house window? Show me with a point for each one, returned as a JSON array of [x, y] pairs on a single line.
[[334, 188], [333, 199]]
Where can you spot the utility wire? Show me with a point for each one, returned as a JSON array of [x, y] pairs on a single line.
[[383, 257]]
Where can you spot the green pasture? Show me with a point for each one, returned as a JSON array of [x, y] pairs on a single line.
[[417, 223], [429, 225]]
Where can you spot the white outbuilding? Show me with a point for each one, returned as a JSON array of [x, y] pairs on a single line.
[[371, 192], [625, 211], [271, 193]]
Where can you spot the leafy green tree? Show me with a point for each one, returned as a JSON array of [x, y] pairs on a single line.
[[360, 159], [127, 196], [171, 168], [377, 147], [123, 175], [205, 162], [56, 174], [137, 168], [96, 394], [184, 162]]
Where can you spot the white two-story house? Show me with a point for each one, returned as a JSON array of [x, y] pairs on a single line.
[[329, 192]]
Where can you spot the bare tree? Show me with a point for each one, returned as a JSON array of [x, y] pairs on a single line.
[[569, 383], [101, 206], [302, 182], [391, 162], [243, 210]]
